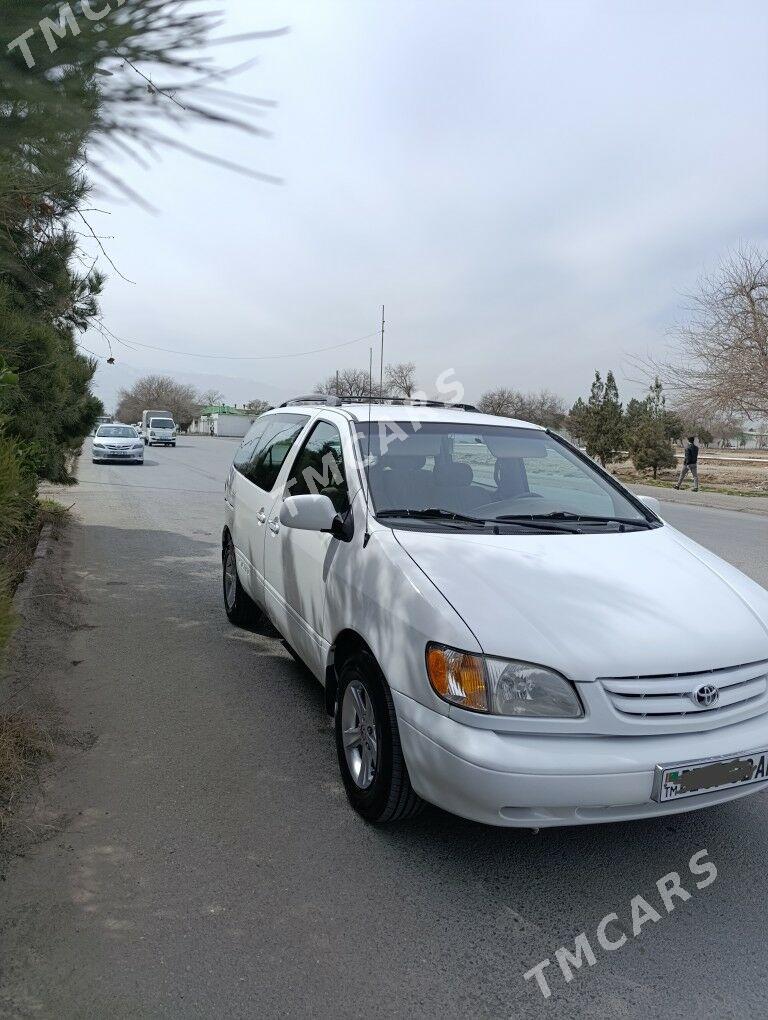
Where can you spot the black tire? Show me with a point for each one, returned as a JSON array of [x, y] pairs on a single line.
[[390, 796], [241, 610]]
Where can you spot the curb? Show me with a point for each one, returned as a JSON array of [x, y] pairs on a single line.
[[22, 603], [22, 593]]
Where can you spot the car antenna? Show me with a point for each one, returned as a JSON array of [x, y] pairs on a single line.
[[367, 536]]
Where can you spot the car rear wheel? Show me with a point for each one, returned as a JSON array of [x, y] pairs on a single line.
[[371, 759], [239, 607]]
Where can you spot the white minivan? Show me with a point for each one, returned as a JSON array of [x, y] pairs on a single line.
[[502, 628], [160, 432]]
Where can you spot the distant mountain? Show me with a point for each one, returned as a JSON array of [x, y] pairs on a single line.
[[110, 379]]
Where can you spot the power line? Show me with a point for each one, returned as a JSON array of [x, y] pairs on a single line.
[[130, 344]]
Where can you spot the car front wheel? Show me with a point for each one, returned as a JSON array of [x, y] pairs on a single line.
[[371, 759], [239, 607]]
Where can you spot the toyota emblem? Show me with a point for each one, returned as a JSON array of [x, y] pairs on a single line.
[[706, 696]]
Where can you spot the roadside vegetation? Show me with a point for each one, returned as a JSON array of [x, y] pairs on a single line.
[[24, 744], [74, 88]]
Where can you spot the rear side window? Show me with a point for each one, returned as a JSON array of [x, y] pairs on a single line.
[[249, 444], [319, 467], [272, 448]]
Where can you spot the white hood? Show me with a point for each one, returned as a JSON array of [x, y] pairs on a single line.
[[117, 444], [592, 605]]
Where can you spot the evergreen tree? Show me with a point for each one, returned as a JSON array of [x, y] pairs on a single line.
[[649, 428], [576, 420], [603, 420], [78, 82]]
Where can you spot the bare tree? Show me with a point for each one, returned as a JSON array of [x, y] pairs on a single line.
[[501, 401], [211, 397], [719, 361], [400, 379], [158, 393], [257, 407], [542, 408], [346, 382]]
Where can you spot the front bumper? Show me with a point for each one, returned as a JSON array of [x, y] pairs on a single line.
[[533, 781], [132, 458]]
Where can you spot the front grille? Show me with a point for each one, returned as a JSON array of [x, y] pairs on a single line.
[[670, 696]]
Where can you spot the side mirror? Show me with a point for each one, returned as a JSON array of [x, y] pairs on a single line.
[[308, 513], [652, 503]]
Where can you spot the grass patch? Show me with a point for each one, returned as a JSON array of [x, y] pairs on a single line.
[[23, 746], [661, 483], [52, 512], [16, 554]]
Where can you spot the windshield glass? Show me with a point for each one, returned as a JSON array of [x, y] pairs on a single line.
[[161, 423], [488, 472], [116, 432]]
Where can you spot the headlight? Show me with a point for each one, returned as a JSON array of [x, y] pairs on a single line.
[[151, 433], [501, 686]]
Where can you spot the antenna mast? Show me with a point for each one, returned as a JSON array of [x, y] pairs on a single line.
[[368, 450], [381, 366]]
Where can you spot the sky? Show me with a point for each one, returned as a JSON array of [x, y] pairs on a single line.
[[530, 188]]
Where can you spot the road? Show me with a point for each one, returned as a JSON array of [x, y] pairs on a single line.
[[206, 863]]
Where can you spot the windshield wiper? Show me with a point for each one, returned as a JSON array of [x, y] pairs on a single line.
[[434, 513], [566, 515], [431, 513]]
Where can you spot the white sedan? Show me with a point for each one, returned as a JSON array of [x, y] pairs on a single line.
[[118, 443]]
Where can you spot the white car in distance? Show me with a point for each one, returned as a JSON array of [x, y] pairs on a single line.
[[117, 443], [502, 628]]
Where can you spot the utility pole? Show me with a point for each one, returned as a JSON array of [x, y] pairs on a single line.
[[381, 366]]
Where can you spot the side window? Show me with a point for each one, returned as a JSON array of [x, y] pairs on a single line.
[[249, 444], [273, 447], [319, 467]]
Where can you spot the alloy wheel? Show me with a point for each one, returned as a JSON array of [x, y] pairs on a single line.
[[358, 726]]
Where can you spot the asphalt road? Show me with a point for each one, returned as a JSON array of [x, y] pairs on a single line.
[[207, 864]]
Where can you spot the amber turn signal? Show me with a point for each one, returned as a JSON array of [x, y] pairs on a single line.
[[457, 677]]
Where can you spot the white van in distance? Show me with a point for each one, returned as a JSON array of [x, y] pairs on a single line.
[[158, 428]]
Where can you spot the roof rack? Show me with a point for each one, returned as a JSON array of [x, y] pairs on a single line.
[[313, 398], [329, 400], [407, 402]]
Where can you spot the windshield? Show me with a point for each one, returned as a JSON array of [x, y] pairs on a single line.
[[494, 473], [116, 432], [161, 423]]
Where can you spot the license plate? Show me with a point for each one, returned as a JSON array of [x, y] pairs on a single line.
[[672, 782]]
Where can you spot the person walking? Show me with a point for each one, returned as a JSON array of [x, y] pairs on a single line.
[[690, 463]]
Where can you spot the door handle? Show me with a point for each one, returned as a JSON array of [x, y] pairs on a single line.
[[274, 525], [261, 517]]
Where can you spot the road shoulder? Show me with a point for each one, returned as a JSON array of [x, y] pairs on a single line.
[[713, 500]]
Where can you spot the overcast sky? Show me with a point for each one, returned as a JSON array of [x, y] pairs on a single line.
[[529, 187]]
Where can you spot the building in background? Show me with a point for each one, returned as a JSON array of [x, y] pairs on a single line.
[[222, 420]]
